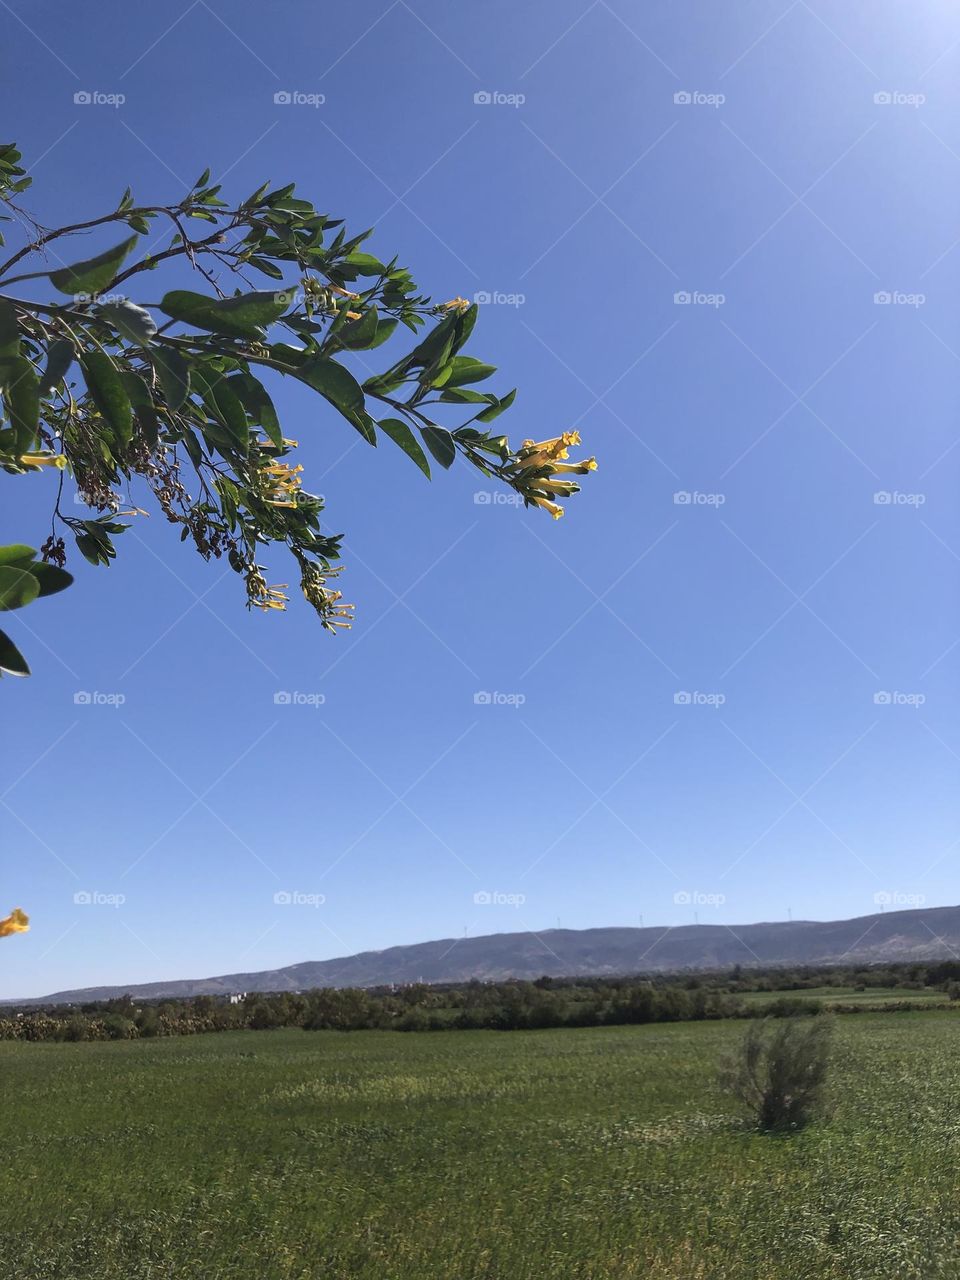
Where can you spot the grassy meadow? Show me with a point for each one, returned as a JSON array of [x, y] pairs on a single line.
[[597, 1154], [867, 997]]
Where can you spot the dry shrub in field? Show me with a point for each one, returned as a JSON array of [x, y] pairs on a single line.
[[779, 1071]]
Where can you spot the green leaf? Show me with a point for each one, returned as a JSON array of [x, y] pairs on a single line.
[[360, 334], [108, 394], [193, 448], [9, 330], [365, 264], [440, 443], [131, 321], [59, 359], [12, 661], [21, 393], [435, 347], [340, 387], [51, 578], [460, 395], [401, 434], [495, 410], [465, 369], [267, 267], [258, 405], [222, 402], [384, 330], [143, 406], [243, 317], [17, 588], [94, 274], [89, 548], [174, 375], [465, 325], [17, 554]]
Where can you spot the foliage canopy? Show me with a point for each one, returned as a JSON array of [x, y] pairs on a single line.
[[103, 389]]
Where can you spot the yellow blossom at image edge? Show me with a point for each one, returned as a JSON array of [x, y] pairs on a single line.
[[16, 922]]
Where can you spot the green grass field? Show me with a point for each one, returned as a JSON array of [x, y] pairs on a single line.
[[588, 1154], [870, 997]]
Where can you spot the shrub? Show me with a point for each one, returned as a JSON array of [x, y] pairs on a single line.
[[792, 1007], [780, 1070]]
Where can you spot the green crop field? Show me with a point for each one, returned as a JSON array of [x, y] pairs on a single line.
[[869, 996], [595, 1154]]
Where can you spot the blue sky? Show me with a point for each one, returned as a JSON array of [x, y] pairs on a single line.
[[734, 706]]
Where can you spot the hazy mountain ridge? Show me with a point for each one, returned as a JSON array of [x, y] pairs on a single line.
[[920, 934]]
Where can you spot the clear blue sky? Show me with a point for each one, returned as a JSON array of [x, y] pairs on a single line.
[[797, 398]]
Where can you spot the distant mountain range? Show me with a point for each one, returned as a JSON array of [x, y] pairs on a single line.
[[925, 934]]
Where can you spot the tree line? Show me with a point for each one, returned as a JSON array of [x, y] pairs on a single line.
[[498, 1006]]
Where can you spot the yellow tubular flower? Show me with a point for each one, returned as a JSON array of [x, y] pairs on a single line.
[[455, 304], [562, 488], [16, 922], [43, 460], [575, 468], [563, 441], [555, 510], [539, 453]]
